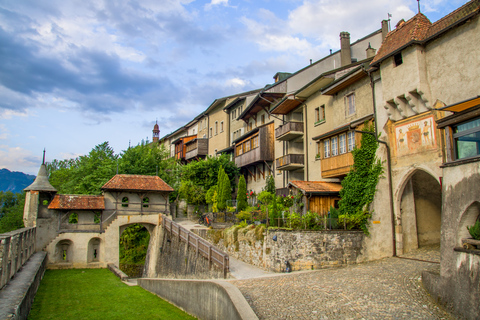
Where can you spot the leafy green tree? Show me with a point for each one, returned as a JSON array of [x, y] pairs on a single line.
[[359, 186], [242, 194], [192, 193], [85, 174], [227, 189], [270, 184], [11, 211]]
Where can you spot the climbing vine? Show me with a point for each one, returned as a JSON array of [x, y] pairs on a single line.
[[359, 186]]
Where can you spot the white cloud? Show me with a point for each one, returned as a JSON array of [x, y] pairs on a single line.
[[208, 6], [236, 82], [18, 159]]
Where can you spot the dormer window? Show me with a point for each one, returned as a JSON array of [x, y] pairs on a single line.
[[397, 59]]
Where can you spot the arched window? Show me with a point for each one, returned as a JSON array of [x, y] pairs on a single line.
[[124, 202], [145, 202]]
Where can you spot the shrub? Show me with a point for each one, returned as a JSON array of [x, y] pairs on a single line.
[[244, 215], [475, 230], [242, 194]]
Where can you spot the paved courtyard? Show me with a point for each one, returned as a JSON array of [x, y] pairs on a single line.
[[386, 289]]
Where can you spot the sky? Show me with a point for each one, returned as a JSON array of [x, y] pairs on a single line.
[[74, 74]]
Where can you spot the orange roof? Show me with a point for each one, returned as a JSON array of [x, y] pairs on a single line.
[[317, 186], [414, 30], [77, 202], [134, 182], [420, 30]]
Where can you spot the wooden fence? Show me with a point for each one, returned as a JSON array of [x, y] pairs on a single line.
[[201, 246]]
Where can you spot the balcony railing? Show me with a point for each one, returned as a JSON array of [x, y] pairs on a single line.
[[290, 162], [337, 165], [289, 131], [198, 148]]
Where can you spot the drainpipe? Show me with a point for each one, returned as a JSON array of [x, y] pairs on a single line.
[[389, 169]]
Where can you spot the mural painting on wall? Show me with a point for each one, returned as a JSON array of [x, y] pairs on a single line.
[[415, 136]]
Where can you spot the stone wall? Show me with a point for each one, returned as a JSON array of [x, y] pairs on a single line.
[[304, 250], [176, 260]]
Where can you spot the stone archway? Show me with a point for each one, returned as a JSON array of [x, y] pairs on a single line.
[[420, 205], [134, 241]]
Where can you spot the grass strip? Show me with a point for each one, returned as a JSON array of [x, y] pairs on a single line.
[[97, 294]]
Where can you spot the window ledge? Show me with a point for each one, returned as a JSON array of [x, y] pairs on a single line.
[[460, 162], [319, 122], [460, 249]]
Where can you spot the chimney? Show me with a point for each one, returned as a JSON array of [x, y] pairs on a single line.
[[346, 53], [370, 51], [384, 29]]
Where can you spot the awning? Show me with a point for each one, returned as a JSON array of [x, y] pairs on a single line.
[[461, 106]]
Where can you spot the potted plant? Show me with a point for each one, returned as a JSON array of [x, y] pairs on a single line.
[[475, 240]]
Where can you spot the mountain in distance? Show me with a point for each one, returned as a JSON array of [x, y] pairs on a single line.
[[14, 181]]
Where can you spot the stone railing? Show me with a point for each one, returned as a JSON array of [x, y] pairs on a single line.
[[16, 247]]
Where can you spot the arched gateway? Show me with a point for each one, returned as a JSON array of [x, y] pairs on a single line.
[[92, 240], [419, 204]]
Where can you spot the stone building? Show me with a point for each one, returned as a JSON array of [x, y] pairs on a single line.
[[83, 231]]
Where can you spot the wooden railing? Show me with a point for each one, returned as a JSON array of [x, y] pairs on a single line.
[[201, 246], [290, 161], [16, 247], [289, 131], [337, 165]]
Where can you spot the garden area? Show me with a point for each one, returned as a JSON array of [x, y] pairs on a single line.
[[97, 294]]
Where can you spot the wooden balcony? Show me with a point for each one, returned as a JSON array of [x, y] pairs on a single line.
[[196, 148], [290, 162], [259, 150], [289, 131], [336, 166]]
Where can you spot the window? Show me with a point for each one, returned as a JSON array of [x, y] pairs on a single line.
[[250, 125], [351, 140], [397, 59], [320, 114], [334, 146], [466, 138], [216, 127], [326, 148], [221, 126], [73, 218], [350, 104], [145, 201], [342, 143], [247, 145], [234, 114], [211, 132], [319, 150], [239, 149], [124, 202], [255, 142]]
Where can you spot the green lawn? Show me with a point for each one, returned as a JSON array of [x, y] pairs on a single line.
[[97, 294]]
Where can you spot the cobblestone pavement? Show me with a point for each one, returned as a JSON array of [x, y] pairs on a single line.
[[385, 289]]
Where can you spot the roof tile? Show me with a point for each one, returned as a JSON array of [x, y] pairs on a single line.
[[419, 30], [133, 182], [77, 202], [317, 186]]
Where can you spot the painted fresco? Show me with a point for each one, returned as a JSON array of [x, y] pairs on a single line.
[[415, 136]]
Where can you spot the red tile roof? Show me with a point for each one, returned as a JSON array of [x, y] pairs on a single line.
[[131, 182], [420, 30], [77, 202], [317, 186]]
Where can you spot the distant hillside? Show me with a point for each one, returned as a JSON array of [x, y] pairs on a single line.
[[14, 181]]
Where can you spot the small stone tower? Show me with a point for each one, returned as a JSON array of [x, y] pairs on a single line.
[[38, 196], [156, 132]]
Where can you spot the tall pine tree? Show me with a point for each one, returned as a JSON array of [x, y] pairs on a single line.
[[242, 194]]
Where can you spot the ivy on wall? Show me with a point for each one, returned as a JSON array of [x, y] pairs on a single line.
[[359, 186]]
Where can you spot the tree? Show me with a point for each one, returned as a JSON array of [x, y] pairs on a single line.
[[270, 185], [85, 174], [11, 211], [224, 191], [242, 194]]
